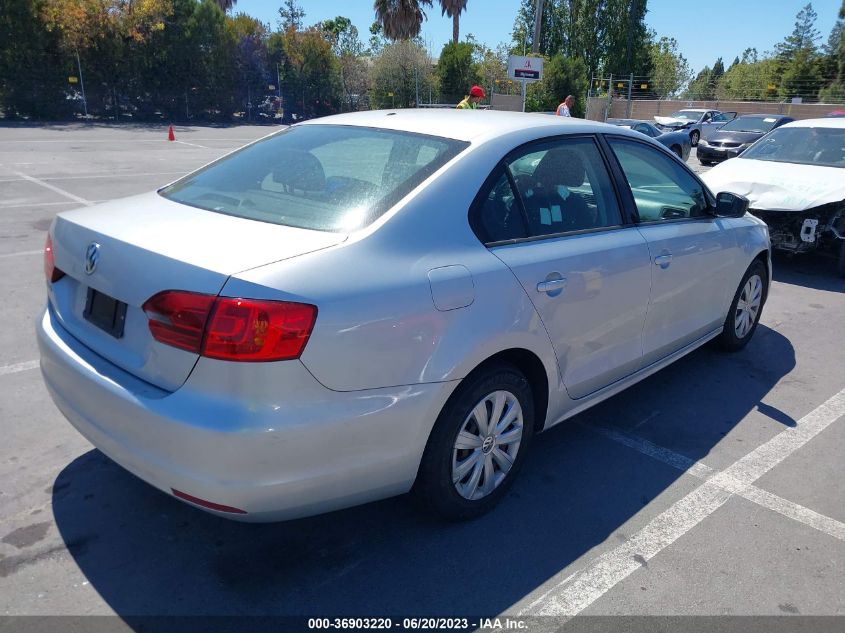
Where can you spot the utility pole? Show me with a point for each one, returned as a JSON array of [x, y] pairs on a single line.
[[538, 19], [82, 84]]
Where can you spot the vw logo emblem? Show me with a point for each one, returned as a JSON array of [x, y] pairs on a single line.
[[92, 257]]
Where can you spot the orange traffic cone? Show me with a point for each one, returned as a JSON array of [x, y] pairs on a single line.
[[170, 135]]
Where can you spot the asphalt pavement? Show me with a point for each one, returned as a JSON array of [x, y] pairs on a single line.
[[714, 487]]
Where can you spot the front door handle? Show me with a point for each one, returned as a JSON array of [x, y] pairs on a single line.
[[552, 285], [663, 260]]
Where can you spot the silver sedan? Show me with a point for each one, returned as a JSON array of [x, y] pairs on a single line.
[[373, 303]]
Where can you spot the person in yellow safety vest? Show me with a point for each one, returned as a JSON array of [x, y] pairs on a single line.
[[470, 102]]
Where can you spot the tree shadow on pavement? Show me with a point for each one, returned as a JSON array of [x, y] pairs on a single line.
[[148, 554]]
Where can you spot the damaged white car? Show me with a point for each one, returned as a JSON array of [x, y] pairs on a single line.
[[794, 178]]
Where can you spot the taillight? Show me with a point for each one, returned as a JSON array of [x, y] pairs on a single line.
[[50, 271], [229, 328], [178, 318], [251, 330]]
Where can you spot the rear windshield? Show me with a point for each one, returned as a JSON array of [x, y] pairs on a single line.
[[323, 177]]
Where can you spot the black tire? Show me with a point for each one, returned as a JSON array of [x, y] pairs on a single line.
[[706, 163], [434, 487], [694, 137], [729, 340]]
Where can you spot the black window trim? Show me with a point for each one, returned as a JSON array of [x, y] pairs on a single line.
[[711, 199], [502, 166]]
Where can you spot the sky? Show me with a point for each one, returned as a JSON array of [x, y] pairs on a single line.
[[705, 29]]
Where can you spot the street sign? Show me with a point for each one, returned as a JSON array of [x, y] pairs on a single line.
[[525, 68], [73, 80]]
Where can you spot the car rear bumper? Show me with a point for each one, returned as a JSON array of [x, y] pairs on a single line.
[[265, 438]]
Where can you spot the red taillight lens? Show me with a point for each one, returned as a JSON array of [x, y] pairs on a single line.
[[230, 328], [178, 318], [252, 330], [50, 271]]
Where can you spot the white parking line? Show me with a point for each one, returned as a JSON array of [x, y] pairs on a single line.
[[730, 483], [58, 190], [99, 175], [193, 144], [18, 367], [569, 597]]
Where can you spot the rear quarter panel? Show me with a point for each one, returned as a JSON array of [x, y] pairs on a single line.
[[377, 323]]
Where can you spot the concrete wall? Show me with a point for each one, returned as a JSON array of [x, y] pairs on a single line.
[[646, 109]]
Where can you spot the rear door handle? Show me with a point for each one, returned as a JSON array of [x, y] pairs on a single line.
[[663, 260], [551, 285]]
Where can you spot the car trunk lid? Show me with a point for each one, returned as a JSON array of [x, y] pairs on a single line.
[[148, 244]]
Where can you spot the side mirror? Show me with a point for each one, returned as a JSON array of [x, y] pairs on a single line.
[[730, 205]]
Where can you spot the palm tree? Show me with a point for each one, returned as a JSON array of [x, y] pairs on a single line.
[[453, 9], [401, 19]]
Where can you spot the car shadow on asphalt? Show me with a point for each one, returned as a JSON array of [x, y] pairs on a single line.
[[809, 270], [148, 554]]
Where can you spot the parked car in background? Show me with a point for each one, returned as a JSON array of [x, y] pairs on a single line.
[[794, 178], [678, 142], [372, 303], [697, 122], [736, 136]]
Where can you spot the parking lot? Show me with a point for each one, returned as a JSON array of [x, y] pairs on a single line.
[[714, 487]]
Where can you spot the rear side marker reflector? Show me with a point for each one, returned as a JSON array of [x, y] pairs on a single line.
[[206, 504], [230, 328]]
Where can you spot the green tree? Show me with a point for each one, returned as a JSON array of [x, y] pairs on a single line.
[[562, 76], [456, 71], [311, 82], [755, 80], [799, 59], [397, 72], [291, 15], [835, 61], [33, 70], [671, 70], [343, 36]]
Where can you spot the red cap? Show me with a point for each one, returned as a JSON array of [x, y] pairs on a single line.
[[476, 91]]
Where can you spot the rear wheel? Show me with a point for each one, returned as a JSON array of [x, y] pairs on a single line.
[[478, 444], [746, 308]]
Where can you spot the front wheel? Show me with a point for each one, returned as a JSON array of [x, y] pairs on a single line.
[[477, 444], [746, 309], [694, 136]]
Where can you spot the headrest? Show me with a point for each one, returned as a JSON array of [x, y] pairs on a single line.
[[299, 169], [560, 167]]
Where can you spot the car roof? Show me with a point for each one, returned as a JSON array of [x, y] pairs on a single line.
[[829, 122], [461, 125]]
